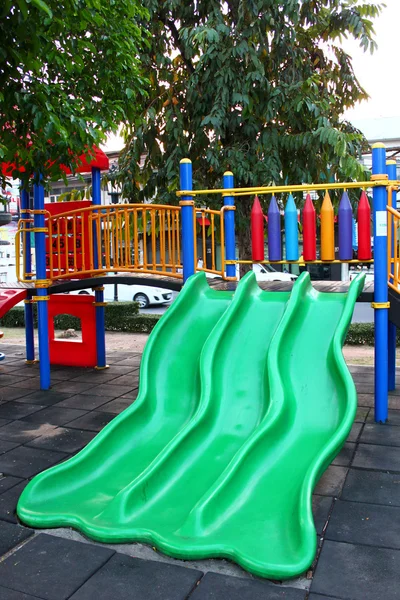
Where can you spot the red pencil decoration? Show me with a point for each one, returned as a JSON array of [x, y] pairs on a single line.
[[309, 230], [257, 231], [364, 228]]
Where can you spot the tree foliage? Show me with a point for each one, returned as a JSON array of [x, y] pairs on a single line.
[[69, 73], [255, 86]]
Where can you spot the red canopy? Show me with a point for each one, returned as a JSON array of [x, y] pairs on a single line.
[[96, 158]]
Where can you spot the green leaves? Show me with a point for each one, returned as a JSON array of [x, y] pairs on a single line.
[[69, 74]]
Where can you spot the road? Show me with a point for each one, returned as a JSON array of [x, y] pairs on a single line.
[[363, 313]]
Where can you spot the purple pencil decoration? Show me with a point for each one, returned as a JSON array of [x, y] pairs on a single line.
[[274, 231], [345, 228]]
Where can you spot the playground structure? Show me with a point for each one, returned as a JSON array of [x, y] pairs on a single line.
[[211, 463], [89, 240]]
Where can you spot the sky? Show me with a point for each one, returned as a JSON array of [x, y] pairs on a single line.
[[377, 73]]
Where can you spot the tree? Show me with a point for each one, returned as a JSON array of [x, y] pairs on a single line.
[[258, 87], [69, 73]]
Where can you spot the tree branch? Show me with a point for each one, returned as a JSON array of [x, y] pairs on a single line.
[[175, 34]]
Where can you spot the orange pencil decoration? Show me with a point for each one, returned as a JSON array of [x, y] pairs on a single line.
[[327, 229]]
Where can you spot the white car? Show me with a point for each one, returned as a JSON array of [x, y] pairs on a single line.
[[268, 273], [144, 295]]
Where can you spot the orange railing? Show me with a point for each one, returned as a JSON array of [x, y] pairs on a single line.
[[393, 248], [137, 238]]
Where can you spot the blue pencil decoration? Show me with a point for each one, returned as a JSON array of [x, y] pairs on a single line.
[[345, 215], [291, 230]]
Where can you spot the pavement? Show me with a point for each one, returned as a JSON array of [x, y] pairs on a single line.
[[356, 503]]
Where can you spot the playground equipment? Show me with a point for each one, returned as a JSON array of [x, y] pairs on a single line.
[[212, 462], [162, 241], [208, 462]]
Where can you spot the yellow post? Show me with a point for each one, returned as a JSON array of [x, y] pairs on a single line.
[[327, 229]]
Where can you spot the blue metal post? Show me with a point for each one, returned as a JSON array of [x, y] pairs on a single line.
[[391, 172], [187, 217], [99, 292], [380, 285], [27, 258], [229, 223], [42, 292]]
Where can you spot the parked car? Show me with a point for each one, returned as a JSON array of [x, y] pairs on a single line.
[[268, 273], [144, 295]]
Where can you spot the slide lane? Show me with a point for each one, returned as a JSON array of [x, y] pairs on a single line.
[[259, 511], [74, 492], [234, 400]]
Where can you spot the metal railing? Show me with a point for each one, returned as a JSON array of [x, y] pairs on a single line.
[[135, 238]]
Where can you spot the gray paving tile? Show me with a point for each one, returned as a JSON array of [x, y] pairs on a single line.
[[320, 597], [83, 402], [332, 481], [92, 421], [52, 568], [357, 572], [362, 523], [11, 393], [46, 398], [372, 486], [53, 415], [17, 410], [26, 462], [11, 379], [131, 381], [394, 417], [33, 383], [9, 500], [369, 456], [63, 440], [214, 586], [71, 387], [11, 535], [321, 506], [362, 414], [116, 406], [354, 432], [381, 434], [124, 577], [7, 594], [107, 390], [6, 446], [7, 482], [21, 431], [345, 456], [4, 422]]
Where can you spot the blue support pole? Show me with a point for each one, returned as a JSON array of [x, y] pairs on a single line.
[[229, 224], [42, 292], [187, 219], [27, 258], [99, 292], [391, 173], [380, 304]]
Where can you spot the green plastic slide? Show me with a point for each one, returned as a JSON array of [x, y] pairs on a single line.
[[243, 403]]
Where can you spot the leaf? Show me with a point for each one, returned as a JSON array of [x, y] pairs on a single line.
[[43, 6]]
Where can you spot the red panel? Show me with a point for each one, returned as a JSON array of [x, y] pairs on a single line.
[[79, 353]]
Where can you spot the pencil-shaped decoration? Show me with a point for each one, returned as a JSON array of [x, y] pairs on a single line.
[[327, 230], [309, 230], [257, 231], [364, 228], [274, 231], [345, 214], [291, 230]]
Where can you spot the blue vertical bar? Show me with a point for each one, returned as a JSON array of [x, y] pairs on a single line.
[[229, 224], [188, 241], [99, 292], [380, 285], [392, 331], [40, 253], [27, 258]]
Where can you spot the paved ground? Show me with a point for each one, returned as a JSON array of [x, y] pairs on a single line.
[[356, 503]]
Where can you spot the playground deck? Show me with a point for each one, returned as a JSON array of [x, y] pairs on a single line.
[[356, 503]]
